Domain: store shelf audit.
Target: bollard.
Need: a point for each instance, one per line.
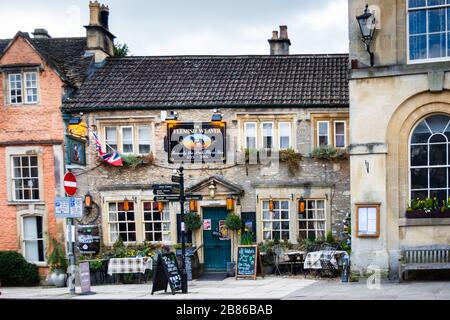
(345, 270)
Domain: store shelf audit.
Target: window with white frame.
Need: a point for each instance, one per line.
(23, 88)
(31, 91)
(250, 135)
(33, 239)
(25, 178)
(111, 138)
(144, 139)
(430, 160)
(339, 134)
(276, 222)
(129, 139)
(121, 222)
(323, 133)
(428, 30)
(268, 135)
(312, 222)
(15, 88)
(284, 129)
(330, 131)
(156, 223)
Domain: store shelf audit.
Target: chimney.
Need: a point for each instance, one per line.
(41, 34)
(100, 40)
(279, 45)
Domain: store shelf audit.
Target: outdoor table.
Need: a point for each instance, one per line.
(312, 259)
(129, 265)
(295, 258)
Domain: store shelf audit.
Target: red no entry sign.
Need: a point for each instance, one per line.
(70, 184)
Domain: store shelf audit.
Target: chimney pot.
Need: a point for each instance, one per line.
(100, 40)
(279, 45)
(283, 32)
(94, 13)
(41, 34)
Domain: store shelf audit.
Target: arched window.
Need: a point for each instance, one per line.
(429, 158)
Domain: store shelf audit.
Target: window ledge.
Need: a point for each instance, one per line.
(18, 203)
(404, 222)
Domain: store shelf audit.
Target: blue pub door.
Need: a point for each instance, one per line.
(216, 252)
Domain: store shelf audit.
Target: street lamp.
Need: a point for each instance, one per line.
(367, 23)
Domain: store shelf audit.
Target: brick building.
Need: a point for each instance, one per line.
(36, 74)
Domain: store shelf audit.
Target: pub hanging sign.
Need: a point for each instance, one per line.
(196, 142)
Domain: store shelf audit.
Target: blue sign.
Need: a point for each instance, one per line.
(68, 207)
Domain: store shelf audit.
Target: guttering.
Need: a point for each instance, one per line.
(67, 109)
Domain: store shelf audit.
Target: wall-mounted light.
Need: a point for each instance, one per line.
(126, 204)
(88, 201)
(193, 205)
(212, 189)
(301, 205)
(172, 116)
(271, 204)
(160, 206)
(367, 24)
(217, 116)
(230, 203)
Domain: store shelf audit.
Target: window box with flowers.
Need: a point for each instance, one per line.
(428, 208)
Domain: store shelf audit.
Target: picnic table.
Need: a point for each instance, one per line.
(312, 259)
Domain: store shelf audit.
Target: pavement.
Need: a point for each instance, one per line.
(271, 287)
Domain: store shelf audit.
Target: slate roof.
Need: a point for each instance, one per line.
(215, 81)
(65, 54)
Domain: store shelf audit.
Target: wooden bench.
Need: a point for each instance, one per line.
(423, 258)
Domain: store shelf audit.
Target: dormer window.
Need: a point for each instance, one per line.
(428, 30)
(23, 88)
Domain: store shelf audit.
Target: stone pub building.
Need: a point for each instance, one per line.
(213, 115)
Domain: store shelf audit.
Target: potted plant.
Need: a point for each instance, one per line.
(267, 257)
(428, 208)
(234, 223)
(192, 222)
(57, 261)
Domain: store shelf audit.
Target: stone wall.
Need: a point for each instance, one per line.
(331, 178)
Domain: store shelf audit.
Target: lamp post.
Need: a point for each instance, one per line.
(184, 283)
(367, 23)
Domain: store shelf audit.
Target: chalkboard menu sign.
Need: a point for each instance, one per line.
(167, 273)
(248, 262)
(188, 261)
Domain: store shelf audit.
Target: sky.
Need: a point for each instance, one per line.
(191, 27)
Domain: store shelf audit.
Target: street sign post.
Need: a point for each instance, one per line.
(197, 197)
(71, 187)
(167, 198)
(176, 179)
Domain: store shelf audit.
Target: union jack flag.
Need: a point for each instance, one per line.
(113, 158)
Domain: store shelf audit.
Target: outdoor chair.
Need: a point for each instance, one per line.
(328, 268)
(280, 260)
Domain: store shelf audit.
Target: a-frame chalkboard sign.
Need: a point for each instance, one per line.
(167, 273)
(248, 262)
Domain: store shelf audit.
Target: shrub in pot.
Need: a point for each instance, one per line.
(57, 261)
